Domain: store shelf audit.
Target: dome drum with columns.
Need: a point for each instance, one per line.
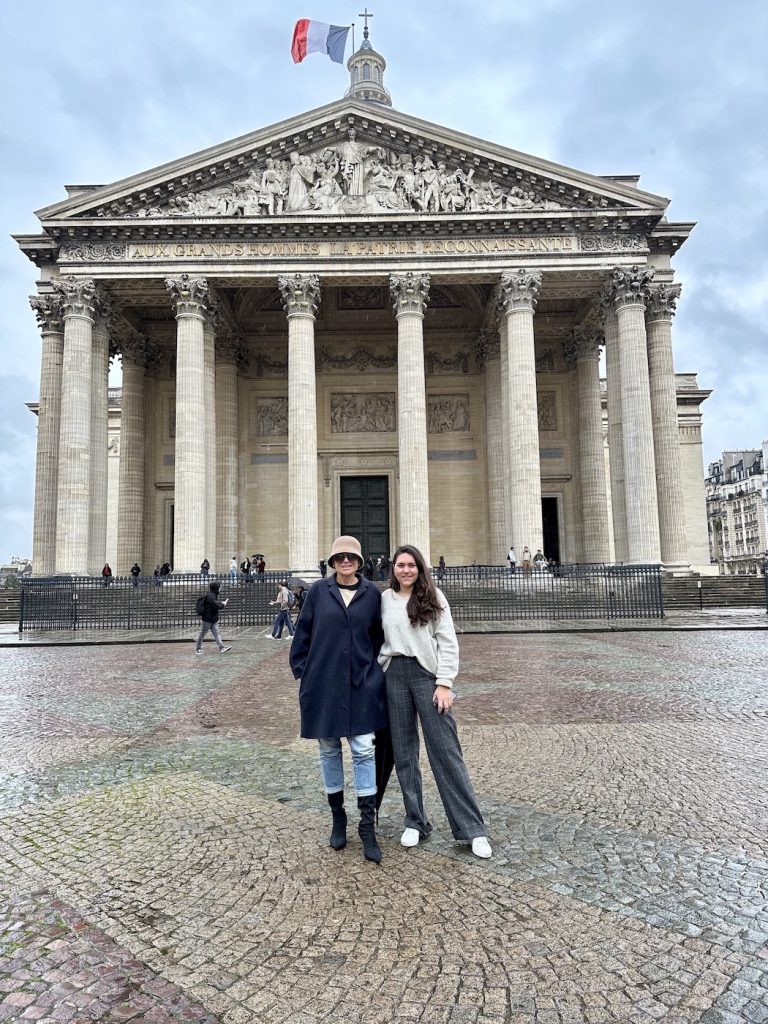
(356, 321)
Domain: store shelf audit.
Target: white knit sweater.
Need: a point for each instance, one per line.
(434, 646)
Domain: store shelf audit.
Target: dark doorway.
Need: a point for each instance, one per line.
(365, 512)
(551, 529)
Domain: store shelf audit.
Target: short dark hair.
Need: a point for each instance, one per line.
(215, 586)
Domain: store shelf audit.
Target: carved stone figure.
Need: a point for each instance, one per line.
(272, 417)
(301, 177)
(447, 413)
(362, 413)
(547, 406)
(352, 177)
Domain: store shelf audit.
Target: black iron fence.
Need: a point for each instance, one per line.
(494, 593)
(146, 602)
(477, 592)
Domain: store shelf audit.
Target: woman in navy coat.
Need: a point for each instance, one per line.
(334, 655)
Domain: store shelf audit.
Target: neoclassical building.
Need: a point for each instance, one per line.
(357, 321)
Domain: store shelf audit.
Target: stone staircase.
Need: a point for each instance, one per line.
(9, 605)
(681, 593)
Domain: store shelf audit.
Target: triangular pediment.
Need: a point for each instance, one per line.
(354, 159)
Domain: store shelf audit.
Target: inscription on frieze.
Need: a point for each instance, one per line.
(363, 413)
(175, 252)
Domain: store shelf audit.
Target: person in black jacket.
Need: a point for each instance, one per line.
(135, 572)
(334, 655)
(210, 619)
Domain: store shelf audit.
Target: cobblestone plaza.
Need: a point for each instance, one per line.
(165, 842)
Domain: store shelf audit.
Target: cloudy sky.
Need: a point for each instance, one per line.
(676, 91)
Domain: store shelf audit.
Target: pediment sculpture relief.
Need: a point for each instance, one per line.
(354, 177)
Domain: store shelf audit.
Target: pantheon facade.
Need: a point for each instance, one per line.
(358, 321)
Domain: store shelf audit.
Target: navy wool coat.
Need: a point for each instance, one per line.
(334, 654)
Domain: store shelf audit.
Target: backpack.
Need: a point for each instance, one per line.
(200, 605)
(291, 599)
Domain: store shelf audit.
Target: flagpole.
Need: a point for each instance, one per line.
(353, 37)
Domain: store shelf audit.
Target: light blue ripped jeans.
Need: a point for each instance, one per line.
(363, 764)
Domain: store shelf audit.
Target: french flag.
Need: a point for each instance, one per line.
(317, 37)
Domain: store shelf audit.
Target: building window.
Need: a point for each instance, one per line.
(366, 72)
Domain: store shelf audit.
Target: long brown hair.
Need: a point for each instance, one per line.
(423, 604)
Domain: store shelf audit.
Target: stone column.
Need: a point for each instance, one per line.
(229, 354)
(615, 431)
(630, 289)
(150, 549)
(97, 525)
(190, 297)
(79, 303)
(48, 311)
(301, 296)
(582, 350)
(409, 295)
(506, 484)
(489, 357)
(211, 324)
(666, 438)
(130, 514)
(519, 293)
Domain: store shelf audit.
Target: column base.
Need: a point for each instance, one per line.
(677, 569)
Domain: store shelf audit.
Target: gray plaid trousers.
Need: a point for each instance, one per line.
(410, 689)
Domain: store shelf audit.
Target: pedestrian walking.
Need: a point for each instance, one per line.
(261, 568)
(135, 572)
(233, 569)
(210, 618)
(420, 658)
(205, 567)
(284, 601)
(106, 573)
(512, 559)
(341, 693)
(245, 569)
(441, 569)
(526, 560)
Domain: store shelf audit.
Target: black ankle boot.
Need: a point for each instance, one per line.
(339, 834)
(367, 828)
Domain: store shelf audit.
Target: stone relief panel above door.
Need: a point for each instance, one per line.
(363, 413)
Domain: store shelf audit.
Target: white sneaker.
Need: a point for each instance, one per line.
(481, 847)
(225, 649)
(410, 837)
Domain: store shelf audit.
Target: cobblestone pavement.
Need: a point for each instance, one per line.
(164, 850)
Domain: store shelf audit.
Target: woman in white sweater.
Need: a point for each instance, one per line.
(420, 658)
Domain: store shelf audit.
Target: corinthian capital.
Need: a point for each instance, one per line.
(584, 343)
(663, 301)
(409, 292)
(132, 345)
(231, 349)
(488, 345)
(107, 311)
(48, 312)
(519, 289)
(79, 296)
(630, 286)
(300, 293)
(189, 295)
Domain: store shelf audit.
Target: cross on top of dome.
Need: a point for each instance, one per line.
(366, 70)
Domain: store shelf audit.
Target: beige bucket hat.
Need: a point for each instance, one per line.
(349, 544)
